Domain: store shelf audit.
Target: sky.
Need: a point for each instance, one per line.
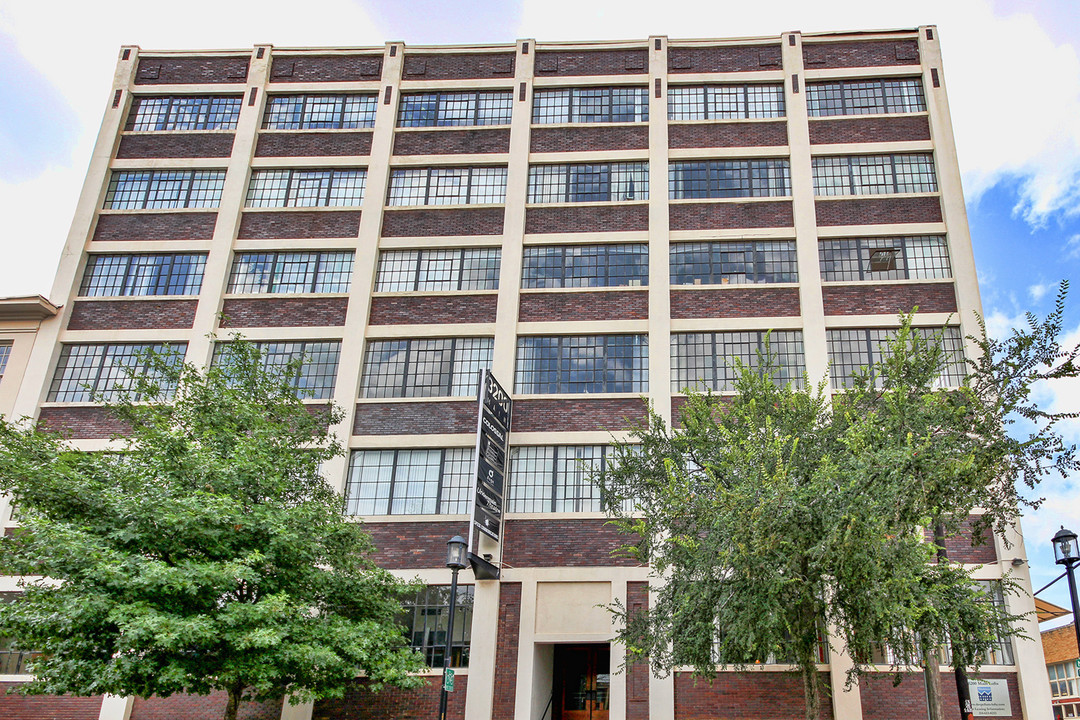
(1011, 68)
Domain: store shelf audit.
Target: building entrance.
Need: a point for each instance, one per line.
(582, 681)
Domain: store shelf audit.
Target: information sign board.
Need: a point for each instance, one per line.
(489, 465)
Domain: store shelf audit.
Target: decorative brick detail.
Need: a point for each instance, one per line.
(589, 542)
(614, 305)
(333, 224)
(415, 418)
(734, 134)
(284, 312)
(47, 707)
(433, 309)
(592, 62)
(961, 547)
(576, 414)
(132, 314)
(728, 58)
(313, 144)
(1059, 644)
(452, 142)
(734, 303)
(750, 696)
(82, 422)
(201, 707)
(176, 145)
(443, 66)
(586, 218)
(878, 211)
(637, 676)
(325, 68)
(191, 70)
(888, 299)
(882, 701)
(155, 226)
(866, 130)
(728, 215)
(462, 222)
(506, 653)
(419, 703)
(589, 139)
(413, 545)
(869, 53)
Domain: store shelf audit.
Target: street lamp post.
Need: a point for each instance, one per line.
(455, 560)
(1067, 553)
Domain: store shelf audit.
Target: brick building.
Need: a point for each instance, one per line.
(595, 222)
(1063, 667)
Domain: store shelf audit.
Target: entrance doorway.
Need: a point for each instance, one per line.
(582, 682)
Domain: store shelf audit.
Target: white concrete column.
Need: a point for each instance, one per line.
(115, 707)
(300, 711)
(529, 701)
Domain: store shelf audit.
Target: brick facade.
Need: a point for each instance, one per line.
(503, 699)
(587, 218)
(415, 418)
(1059, 644)
(46, 707)
(313, 144)
(191, 70)
(420, 703)
(325, 68)
(575, 414)
(462, 222)
(588, 542)
(589, 139)
(637, 675)
(730, 216)
(735, 302)
(433, 309)
(878, 211)
(176, 145)
(728, 134)
(302, 224)
(574, 63)
(155, 226)
(868, 53)
(964, 548)
(882, 700)
(869, 130)
(83, 422)
(730, 58)
(447, 66)
(413, 545)
(201, 707)
(284, 312)
(888, 299)
(570, 306)
(452, 142)
(132, 314)
(748, 696)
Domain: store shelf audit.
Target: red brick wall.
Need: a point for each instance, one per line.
(415, 418)
(413, 545)
(438, 66)
(592, 62)
(506, 652)
(433, 309)
(882, 701)
(170, 145)
(733, 58)
(331, 224)
(858, 130)
(155, 226)
(728, 215)
(313, 144)
(47, 707)
(200, 707)
(571, 415)
(284, 312)
(191, 70)
(870, 53)
(960, 548)
(875, 211)
(735, 134)
(888, 299)
(452, 142)
(325, 68)
(588, 542)
(389, 703)
(87, 422)
(613, 305)
(735, 302)
(430, 223)
(587, 218)
(749, 695)
(637, 677)
(587, 139)
(131, 314)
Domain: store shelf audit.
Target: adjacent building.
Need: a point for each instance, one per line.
(1063, 667)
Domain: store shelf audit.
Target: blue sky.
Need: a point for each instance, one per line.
(1011, 67)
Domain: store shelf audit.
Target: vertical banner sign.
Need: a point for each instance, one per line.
(492, 447)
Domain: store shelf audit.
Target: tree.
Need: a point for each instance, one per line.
(206, 553)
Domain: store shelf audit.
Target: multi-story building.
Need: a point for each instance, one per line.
(1063, 666)
(596, 222)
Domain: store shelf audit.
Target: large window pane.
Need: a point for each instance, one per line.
(874, 174)
(322, 112)
(710, 361)
(447, 186)
(729, 179)
(125, 275)
(425, 621)
(596, 182)
(582, 364)
(85, 372)
(853, 350)
(884, 258)
(591, 105)
(555, 266)
(736, 263)
(449, 109)
(435, 367)
(163, 189)
(725, 102)
(291, 272)
(183, 112)
(306, 188)
(409, 482)
(865, 97)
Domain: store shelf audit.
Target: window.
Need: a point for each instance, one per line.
(85, 372)
(5, 355)
(556, 266)
(125, 275)
(710, 361)
(1000, 651)
(320, 112)
(865, 97)
(448, 186)
(436, 367)
(183, 112)
(887, 258)
(591, 105)
(291, 272)
(425, 619)
(1063, 679)
(850, 350)
(725, 102)
(874, 174)
(409, 482)
(306, 188)
(157, 189)
(13, 661)
(451, 109)
(728, 179)
(598, 182)
(555, 478)
(317, 364)
(438, 270)
(583, 364)
(736, 263)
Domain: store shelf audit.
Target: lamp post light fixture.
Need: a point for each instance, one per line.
(456, 561)
(1067, 553)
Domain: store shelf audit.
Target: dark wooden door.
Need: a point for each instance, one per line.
(582, 682)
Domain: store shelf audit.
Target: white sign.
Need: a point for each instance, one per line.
(990, 698)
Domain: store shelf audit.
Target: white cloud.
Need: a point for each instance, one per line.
(1039, 290)
(1072, 248)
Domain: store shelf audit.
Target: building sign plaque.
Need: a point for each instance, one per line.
(990, 698)
(492, 447)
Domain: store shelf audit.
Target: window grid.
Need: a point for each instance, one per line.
(735, 263)
(306, 188)
(447, 186)
(1062, 679)
(725, 102)
(291, 272)
(867, 97)
(455, 109)
(874, 174)
(320, 112)
(555, 478)
(318, 363)
(582, 364)
(85, 372)
(435, 367)
(425, 620)
(410, 482)
(438, 270)
(557, 266)
(157, 189)
(884, 258)
(183, 112)
(5, 355)
(729, 178)
(597, 182)
(850, 350)
(710, 361)
(131, 275)
(591, 105)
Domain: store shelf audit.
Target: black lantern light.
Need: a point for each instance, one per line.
(455, 553)
(1066, 551)
(456, 549)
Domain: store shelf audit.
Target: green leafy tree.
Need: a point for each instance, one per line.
(206, 553)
